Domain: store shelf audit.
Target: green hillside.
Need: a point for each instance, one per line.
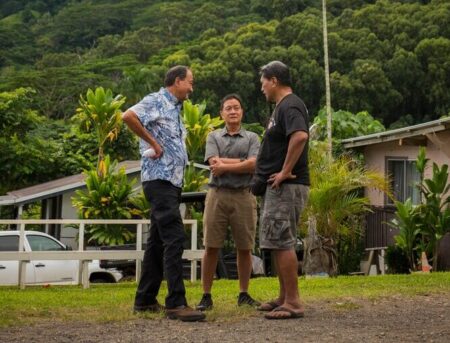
(387, 57)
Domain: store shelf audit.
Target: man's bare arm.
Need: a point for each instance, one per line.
(230, 160)
(239, 167)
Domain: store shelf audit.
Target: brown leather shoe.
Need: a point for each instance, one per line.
(185, 314)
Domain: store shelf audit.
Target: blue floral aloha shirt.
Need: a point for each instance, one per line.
(159, 113)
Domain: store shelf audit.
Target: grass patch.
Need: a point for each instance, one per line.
(113, 302)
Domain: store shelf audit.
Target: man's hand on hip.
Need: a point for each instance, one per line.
(277, 179)
(158, 151)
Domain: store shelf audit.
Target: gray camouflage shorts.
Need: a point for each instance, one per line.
(280, 214)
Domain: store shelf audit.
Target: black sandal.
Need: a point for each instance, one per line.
(291, 313)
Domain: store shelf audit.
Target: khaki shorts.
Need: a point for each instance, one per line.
(280, 216)
(225, 207)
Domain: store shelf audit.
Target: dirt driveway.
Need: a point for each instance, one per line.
(396, 319)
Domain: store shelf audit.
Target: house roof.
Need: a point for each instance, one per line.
(66, 184)
(56, 187)
(398, 134)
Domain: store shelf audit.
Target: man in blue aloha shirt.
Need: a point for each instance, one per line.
(156, 120)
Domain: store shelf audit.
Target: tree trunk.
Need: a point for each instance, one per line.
(320, 255)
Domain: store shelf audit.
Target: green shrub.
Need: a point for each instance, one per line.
(107, 197)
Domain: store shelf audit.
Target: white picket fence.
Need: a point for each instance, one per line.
(85, 256)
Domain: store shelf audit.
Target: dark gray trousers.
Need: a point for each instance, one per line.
(164, 250)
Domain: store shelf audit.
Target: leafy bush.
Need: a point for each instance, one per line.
(334, 198)
(198, 126)
(194, 179)
(408, 224)
(434, 212)
(141, 206)
(27, 145)
(346, 125)
(107, 197)
(335, 204)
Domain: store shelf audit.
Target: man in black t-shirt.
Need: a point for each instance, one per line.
(282, 164)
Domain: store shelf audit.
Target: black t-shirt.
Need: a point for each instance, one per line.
(289, 116)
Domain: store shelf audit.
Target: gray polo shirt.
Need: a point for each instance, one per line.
(242, 145)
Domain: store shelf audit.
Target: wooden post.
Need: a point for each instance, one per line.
(381, 262)
(22, 265)
(85, 273)
(80, 248)
(193, 248)
(138, 248)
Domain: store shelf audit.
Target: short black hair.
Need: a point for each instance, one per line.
(279, 70)
(228, 97)
(174, 72)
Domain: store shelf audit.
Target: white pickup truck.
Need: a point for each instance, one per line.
(47, 271)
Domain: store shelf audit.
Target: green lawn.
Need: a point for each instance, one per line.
(114, 302)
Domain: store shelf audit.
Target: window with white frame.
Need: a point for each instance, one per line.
(404, 178)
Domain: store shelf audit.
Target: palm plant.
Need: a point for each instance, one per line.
(100, 111)
(335, 201)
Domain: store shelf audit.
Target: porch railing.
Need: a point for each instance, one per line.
(378, 232)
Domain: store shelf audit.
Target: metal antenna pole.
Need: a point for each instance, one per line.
(327, 76)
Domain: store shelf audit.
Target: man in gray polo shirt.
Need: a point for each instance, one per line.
(231, 153)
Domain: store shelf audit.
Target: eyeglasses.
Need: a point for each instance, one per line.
(229, 108)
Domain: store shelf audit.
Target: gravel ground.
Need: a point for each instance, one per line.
(395, 319)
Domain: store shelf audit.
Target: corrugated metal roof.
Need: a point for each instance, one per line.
(405, 132)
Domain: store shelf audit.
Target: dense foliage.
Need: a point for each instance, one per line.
(388, 58)
(35, 149)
